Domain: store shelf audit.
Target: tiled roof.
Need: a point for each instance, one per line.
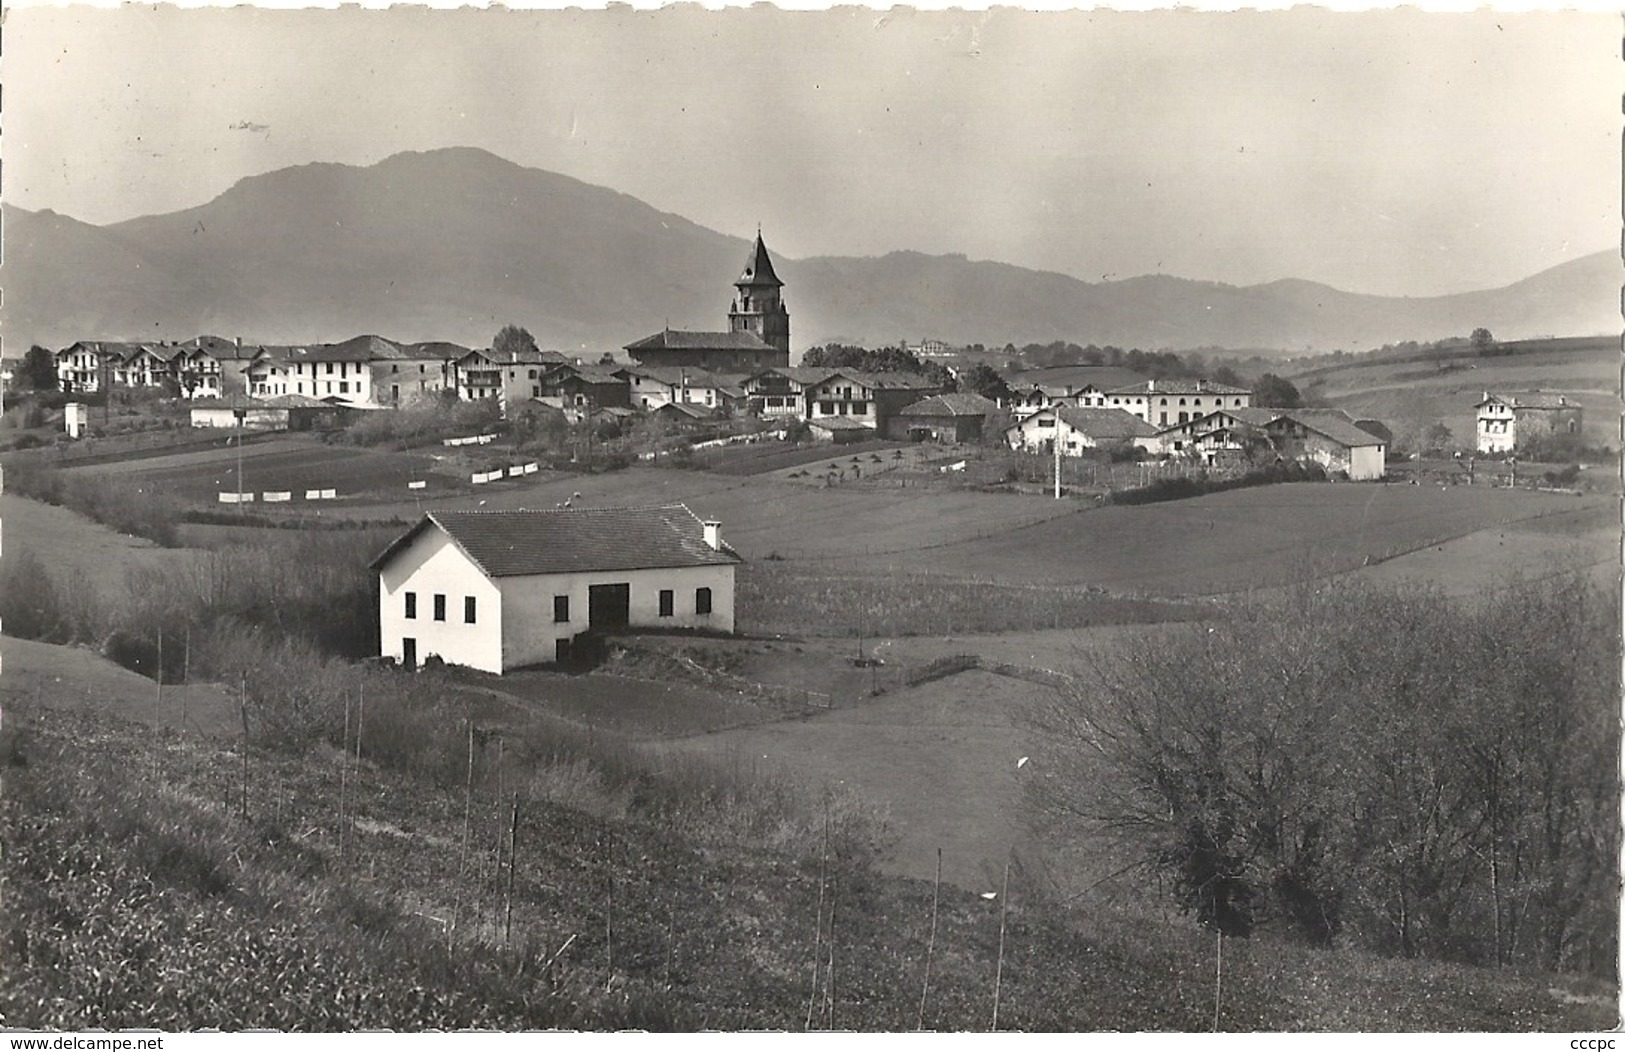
(369, 347)
(1105, 423)
(1257, 416)
(1530, 400)
(885, 381)
(801, 374)
(838, 423)
(677, 340)
(688, 409)
(237, 400)
(962, 403)
(573, 540)
(1178, 387)
(520, 356)
(357, 350)
(677, 376)
(434, 349)
(1076, 377)
(759, 267)
(1334, 424)
(591, 374)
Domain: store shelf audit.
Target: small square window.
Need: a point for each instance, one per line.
(411, 605)
(561, 609)
(439, 608)
(667, 602)
(468, 610)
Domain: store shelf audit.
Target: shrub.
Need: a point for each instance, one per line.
(1377, 764)
(30, 603)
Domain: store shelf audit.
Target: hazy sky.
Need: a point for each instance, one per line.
(1385, 152)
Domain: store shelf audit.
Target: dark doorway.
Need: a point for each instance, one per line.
(409, 653)
(609, 605)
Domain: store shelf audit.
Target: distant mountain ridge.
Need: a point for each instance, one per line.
(452, 244)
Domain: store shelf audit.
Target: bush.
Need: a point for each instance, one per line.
(1422, 775)
(30, 604)
(1181, 488)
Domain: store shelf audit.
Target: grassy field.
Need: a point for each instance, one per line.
(1233, 541)
(291, 464)
(1412, 395)
(190, 898)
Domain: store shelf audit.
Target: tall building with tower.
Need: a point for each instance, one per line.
(758, 335)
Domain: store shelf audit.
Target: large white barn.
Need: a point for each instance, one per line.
(499, 590)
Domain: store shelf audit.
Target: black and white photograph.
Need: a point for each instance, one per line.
(845, 520)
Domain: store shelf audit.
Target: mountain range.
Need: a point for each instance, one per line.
(454, 243)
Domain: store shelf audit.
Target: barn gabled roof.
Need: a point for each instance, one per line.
(572, 540)
(960, 403)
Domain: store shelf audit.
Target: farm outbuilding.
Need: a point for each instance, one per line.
(279, 413)
(954, 417)
(499, 590)
(1331, 439)
(839, 430)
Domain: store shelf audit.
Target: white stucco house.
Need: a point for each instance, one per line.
(499, 590)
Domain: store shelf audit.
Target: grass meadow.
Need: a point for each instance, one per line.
(669, 867)
(233, 886)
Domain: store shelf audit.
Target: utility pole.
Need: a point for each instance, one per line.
(1057, 456)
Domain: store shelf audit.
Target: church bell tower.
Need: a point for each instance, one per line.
(758, 305)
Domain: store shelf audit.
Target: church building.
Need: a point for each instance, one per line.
(758, 335)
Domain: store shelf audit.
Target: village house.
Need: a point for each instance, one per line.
(1506, 422)
(957, 417)
(500, 590)
(510, 377)
(147, 365)
(81, 366)
(583, 388)
(1216, 433)
(212, 366)
(869, 399)
(1165, 403)
(1077, 429)
(340, 371)
(1330, 438)
(782, 391)
(403, 371)
(1077, 385)
(758, 335)
(653, 387)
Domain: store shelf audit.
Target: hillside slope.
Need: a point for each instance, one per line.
(453, 243)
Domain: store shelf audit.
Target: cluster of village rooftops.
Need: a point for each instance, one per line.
(690, 378)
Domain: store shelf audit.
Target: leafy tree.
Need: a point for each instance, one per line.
(1426, 776)
(38, 370)
(1226, 375)
(1276, 392)
(1483, 341)
(511, 338)
(1438, 437)
(984, 380)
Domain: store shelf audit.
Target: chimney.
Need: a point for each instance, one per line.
(239, 341)
(713, 535)
(1151, 385)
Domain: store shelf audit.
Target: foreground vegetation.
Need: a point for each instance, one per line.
(1384, 768)
(235, 886)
